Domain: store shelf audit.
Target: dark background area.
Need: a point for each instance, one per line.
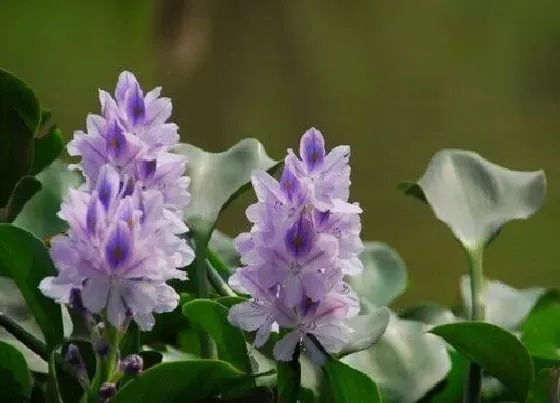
(395, 80)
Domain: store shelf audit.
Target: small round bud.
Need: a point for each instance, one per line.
(102, 348)
(73, 355)
(107, 391)
(132, 364)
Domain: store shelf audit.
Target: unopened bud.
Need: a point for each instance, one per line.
(132, 364)
(102, 348)
(73, 355)
(107, 391)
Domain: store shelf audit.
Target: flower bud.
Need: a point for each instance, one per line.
(107, 391)
(102, 348)
(132, 364)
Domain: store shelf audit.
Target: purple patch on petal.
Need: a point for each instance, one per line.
(127, 187)
(91, 216)
(116, 140)
(135, 107)
(312, 148)
(118, 247)
(308, 306)
(300, 237)
(147, 169)
(107, 185)
(290, 184)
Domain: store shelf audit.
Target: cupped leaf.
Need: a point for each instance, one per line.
(48, 145)
(211, 317)
(406, 363)
(511, 363)
(430, 314)
(367, 329)
(39, 215)
(218, 178)
(184, 381)
(14, 376)
(348, 385)
(384, 276)
(475, 197)
(504, 306)
(24, 190)
(25, 260)
(20, 115)
(412, 189)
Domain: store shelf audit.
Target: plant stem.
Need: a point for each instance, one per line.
(217, 263)
(289, 379)
(474, 377)
(200, 280)
(105, 367)
(218, 282)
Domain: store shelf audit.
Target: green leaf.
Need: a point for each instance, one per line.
(19, 119)
(211, 317)
(547, 380)
(383, 278)
(476, 198)
(504, 306)
(348, 385)
(39, 215)
(14, 375)
(410, 188)
(218, 178)
(541, 330)
(451, 389)
(25, 260)
(430, 314)
(183, 381)
(24, 190)
(367, 328)
(406, 363)
(47, 146)
(511, 363)
(222, 246)
(228, 302)
(289, 380)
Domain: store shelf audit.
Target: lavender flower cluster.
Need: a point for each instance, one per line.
(305, 238)
(123, 240)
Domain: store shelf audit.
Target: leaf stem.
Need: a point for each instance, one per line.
(474, 377)
(217, 263)
(218, 282)
(201, 286)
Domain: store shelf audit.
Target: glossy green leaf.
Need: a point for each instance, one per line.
(14, 376)
(540, 332)
(475, 197)
(547, 380)
(48, 145)
(504, 306)
(184, 381)
(412, 189)
(228, 302)
(450, 390)
(348, 385)
(39, 215)
(211, 317)
(406, 363)
(24, 190)
(511, 364)
(19, 119)
(25, 260)
(384, 276)
(218, 178)
(289, 380)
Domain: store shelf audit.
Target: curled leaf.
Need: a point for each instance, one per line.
(475, 197)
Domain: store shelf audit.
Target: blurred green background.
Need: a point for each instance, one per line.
(395, 80)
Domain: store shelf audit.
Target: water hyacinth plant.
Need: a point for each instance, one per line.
(123, 291)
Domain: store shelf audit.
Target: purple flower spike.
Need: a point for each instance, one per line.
(305, 238)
